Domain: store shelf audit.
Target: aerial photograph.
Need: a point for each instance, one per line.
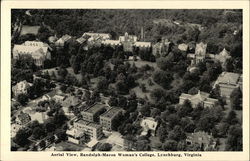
(126, 80)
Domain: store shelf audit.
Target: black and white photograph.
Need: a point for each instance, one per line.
(126, 80)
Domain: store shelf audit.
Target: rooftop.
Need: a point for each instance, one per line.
(229, 78)
(90, 124)
(95, 108)
(112, 112)
(29, 30)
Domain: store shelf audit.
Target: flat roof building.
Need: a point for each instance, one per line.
(92, 113)
(107, 118)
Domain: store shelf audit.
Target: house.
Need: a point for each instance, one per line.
(64, 39)
(14, 129)
(200, 52)
(203, 139)
(93, 112)
(21, 88)
(107, 118)
(228, 81)
(59, 98)
(199, 98)
(183, 47)
(46, 97)
(23, 118)
(39, 51)
(222, 57)
(68, 102)
(149, 123)
(81, 128)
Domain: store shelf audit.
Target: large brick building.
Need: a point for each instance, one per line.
(92, 113)
(81, 128)
(39, 51)
(107, 118)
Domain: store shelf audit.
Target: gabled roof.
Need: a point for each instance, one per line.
(183, 47)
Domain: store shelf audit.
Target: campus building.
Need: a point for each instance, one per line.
(199, 98)
(81, 128)
(39, 51)
(228, 81)
(92, 113)
(107, 118)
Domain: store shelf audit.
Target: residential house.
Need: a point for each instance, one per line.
(107, 119)
(199, 98)
(200, 52)
(82, 128)
(23, 118)
(222, 57)
(59, 98)
(37, 50)
(183, 47)
(21, 88)
(203, 139)
(64, 39)
(228, 81)
(149, 123)
(68, 102)
(92, 113)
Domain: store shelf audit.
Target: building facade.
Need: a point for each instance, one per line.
(107, 118)
(199, 98)
(21, 88)
(228, 81)
(92, 113)
(39, 51)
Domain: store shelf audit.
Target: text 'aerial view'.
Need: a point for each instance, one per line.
(126, 80)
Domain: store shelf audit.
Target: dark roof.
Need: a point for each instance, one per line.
(112, 112)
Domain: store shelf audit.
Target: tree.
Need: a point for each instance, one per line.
(155, 112)
(104, 147)
(143, 145)
(170, 145)
(234, 138)
(162, 133)
(185, 109)
(145, 110)
(38, 133)
(177, 134)
(164, 63)
(62, 72)
(231, 118)
(102, 84)
(22, 99)
(236, 99)
(50, 127)
(163, 78)
(113, 101)
(21, 137)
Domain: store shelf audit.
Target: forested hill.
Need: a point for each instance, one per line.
(179, 26)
